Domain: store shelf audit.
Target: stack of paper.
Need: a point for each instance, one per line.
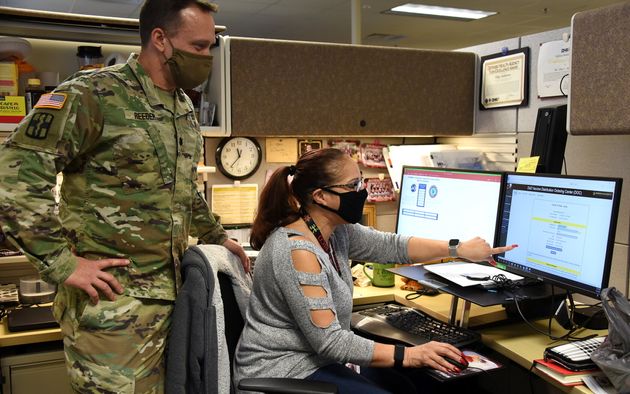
(469, 274)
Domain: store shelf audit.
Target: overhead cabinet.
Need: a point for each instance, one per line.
(285, 88)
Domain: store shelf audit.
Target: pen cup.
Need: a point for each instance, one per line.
(380, 276)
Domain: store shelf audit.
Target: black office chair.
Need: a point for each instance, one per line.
(233, 326)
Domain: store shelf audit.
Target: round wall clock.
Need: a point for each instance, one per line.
(238, 157)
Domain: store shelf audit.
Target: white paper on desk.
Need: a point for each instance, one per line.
(456, 272)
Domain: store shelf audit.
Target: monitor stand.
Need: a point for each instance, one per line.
(473, 294)
(591, 317)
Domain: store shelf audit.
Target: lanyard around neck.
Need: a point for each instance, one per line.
(310, 223)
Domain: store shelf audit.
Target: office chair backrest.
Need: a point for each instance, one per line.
(233, 321)
(234, 326)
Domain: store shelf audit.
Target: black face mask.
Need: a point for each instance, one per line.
(350, 205)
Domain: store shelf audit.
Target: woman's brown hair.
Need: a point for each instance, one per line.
(280, 201)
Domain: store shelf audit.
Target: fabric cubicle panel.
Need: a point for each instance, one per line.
(600, 79)
(299, 88)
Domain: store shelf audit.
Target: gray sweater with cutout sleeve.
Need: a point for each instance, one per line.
(279, 338)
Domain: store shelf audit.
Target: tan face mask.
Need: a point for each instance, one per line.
(189, 70)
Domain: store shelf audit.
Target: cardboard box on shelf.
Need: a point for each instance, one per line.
(12, 109)
(8, 79)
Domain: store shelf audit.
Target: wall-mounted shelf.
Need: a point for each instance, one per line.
(70, 27)
(204, 171)
(206, 131)
(213, 131)
(8, 126)
(13, 259)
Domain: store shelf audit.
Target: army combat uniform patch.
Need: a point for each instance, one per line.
(52, 100)
(43, 127)
(39, 125)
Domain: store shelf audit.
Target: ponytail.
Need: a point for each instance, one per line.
(280, 201)
(276, 207)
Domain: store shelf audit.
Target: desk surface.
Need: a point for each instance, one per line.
(8, 338)
(516, 341)
(522, 344)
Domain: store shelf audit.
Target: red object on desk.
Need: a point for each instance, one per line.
(561, 374)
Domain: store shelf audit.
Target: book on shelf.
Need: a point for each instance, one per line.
(563, 375)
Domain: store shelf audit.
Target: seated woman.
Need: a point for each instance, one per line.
(298, 320)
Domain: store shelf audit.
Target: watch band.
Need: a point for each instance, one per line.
(452, 247)
(399, 355)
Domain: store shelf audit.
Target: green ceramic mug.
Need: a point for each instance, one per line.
(380, 276)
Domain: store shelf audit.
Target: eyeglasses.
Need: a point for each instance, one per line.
(356, 185)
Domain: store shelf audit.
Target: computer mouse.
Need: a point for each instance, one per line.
(459, 364)
(427, 291)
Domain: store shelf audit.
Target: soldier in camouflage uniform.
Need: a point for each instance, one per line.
(127, 142)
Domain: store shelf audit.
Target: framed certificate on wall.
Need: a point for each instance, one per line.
(505, 79)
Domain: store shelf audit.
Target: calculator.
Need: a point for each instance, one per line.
(575, 356)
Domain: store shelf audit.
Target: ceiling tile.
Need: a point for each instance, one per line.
(329, 20)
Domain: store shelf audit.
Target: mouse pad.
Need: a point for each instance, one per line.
(33, 318)
(477, 363)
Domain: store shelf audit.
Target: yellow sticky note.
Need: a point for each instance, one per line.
(527, 164)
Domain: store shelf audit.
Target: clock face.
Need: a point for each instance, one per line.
(238, 157)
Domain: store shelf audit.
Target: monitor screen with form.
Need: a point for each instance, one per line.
(439, 203)
(564, 226)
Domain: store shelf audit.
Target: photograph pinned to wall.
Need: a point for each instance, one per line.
(505, 79)
(371, 155)
(351, 147)
(379, 190)
(308, 145)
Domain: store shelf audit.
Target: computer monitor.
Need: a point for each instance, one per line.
(564, 226)
(441, 203)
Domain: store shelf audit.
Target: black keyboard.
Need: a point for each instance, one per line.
(411, 326)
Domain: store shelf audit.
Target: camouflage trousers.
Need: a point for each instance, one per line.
(114, 346)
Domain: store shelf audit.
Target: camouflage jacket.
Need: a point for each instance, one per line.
(122, 194)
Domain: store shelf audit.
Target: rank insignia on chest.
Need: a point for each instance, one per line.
(52, 100)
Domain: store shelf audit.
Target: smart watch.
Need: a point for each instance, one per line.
(452, 247)
(399, 355)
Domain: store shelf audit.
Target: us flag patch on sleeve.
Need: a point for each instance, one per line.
(51, 100)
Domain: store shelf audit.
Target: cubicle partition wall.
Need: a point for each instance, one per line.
(288, 88)
(599, 71)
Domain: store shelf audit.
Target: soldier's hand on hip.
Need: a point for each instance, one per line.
(90, 277)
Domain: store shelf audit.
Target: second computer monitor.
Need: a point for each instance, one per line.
(442, 204)
(564, 226)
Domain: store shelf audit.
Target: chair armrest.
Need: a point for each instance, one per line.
(287, 385)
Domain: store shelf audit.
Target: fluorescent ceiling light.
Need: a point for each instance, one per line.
(444, 12)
